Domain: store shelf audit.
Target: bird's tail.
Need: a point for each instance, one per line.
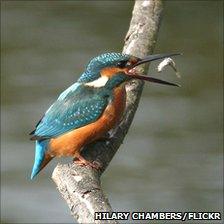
(41, 157)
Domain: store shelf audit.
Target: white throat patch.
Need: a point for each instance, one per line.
(100, 82)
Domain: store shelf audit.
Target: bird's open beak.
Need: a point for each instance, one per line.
(149, 58)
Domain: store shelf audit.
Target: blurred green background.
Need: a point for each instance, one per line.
(172, 157)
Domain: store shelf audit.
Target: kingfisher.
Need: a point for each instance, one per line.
(87, 110)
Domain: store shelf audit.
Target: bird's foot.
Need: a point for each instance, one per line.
(79, 160)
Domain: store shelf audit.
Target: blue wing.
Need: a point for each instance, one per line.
(73, 109)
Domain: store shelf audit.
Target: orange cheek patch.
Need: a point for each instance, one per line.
(110, 71)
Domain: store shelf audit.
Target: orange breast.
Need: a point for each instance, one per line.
(71, 143)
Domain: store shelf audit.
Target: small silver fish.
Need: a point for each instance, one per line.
(166, 62)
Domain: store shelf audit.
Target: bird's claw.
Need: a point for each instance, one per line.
(83, 162)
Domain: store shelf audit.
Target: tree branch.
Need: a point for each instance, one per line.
(80, 186)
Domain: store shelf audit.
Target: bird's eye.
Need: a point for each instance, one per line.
(123, 64)
(128, 63)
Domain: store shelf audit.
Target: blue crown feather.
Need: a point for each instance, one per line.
(93, 68)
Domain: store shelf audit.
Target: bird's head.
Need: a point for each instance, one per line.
(112, 69)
